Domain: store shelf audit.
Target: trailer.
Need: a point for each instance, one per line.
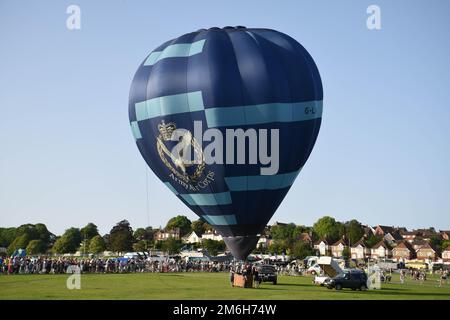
(330, 268)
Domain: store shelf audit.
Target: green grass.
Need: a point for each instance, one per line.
(199, 286)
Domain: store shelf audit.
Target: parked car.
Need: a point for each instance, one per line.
(353, 279)
(267, 273)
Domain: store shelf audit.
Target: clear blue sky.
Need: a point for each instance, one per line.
(68, 157)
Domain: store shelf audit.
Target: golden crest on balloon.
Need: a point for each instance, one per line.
(178, 159)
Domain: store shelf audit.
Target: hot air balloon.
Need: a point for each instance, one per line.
(217, 80)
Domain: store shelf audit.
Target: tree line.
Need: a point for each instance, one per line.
(37, 239)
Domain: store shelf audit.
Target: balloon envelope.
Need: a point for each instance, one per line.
(230, 78)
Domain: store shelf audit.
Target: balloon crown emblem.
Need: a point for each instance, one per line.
(166, 130)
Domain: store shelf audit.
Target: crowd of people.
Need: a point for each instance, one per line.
(60, 265)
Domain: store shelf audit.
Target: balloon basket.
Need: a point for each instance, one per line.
(242, 281)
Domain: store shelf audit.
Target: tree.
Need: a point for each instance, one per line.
(212, 246)
(7, 236)
(144, 234)
(43, 234)
(436, 242)
(346, 253)
(181, 222)
(14, 238)
(354, 231)
(21, 242)
(199, 226)
(140, 246)
(172, 245)
(445, 244)
(278, 247)
(89, 231)
(139, 234)
(301, 250)
(373, 240)
(328, 227)
(97, 244)
(121, 237)
(36, 247)
(68, 242)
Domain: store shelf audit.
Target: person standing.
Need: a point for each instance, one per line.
(402, 276)
(231, 275)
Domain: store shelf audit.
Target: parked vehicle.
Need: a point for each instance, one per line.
(267, 273)
(354, 279)
(329, 268)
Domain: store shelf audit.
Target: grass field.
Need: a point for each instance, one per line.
(200, 286)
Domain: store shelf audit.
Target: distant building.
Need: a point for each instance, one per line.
(426, 252)
(393, 237)
(445, 234)
(162, 235)
(403, 251)
(281, 224)
(409, 235)
(382, 230)
(212, 235)
(446, 255)
(264, 242)
(192, 238)
(418, 243)
(306, 237)
(359, 250)
(381, 250)
(368, 231)
(338, 247)
(322, 247)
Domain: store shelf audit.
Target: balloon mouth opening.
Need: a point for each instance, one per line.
(241, 246)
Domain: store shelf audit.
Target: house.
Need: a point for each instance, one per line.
(418, 242)
(162, 235)
(446, 255)
(359, 250)
(212, 235)
(264, 241)
(322, 247)
(338, 247)
(409, 235)
(392, 237)
(426, 252)
(281, 224)
(306, 237)
(427, 234)
(381, 250)
(445, 234)
(382, 230)
(192, 238)
(368, 231)
(403, 251)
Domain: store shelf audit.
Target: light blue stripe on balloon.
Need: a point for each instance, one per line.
(175, 51)
(167, 105)
(171, 187)
(263, 113)
(253, 183)
(152, 58)
(221, 220)
(135, 130)
(207, 199)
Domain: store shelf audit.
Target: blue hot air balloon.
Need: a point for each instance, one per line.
(220, 80)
